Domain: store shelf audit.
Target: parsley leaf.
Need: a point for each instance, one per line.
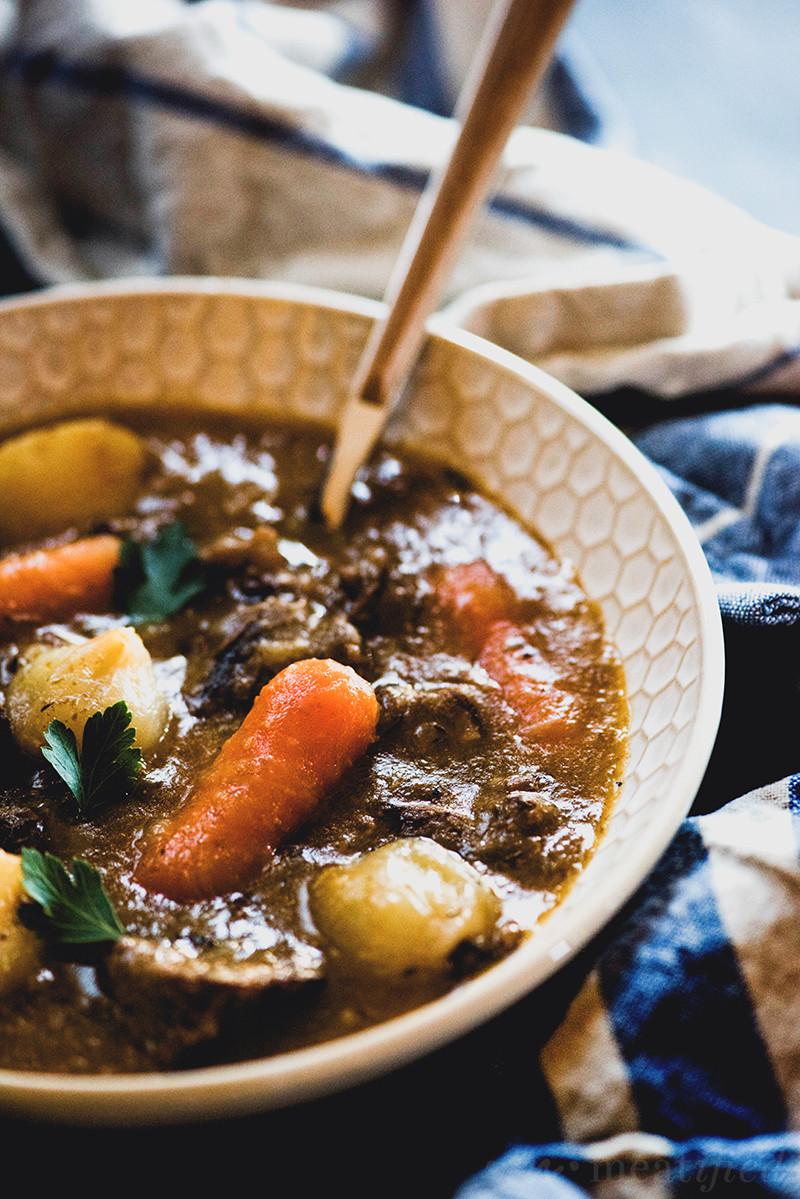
(62, 754)
(156, 578)
(107, 762)
(76, 909)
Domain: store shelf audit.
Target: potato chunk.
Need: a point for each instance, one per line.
(68, 475)
(19, 946)
(71, 682)
(404, 907)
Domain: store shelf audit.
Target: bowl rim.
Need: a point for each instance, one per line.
(289, 1078)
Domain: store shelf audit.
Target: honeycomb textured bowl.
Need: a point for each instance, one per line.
(254, 348)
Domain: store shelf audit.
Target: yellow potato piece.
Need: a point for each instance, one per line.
(69, 475)
(403, 907)
(19, 946)
(71, 682)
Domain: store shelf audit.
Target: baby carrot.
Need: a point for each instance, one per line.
(546, 711)
(483, 609)
(52, 584)
(306, 728)
(473, 596)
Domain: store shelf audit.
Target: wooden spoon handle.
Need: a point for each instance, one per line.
(514, 53)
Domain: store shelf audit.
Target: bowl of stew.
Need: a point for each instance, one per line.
(284, 807)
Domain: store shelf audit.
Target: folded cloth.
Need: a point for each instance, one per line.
(761, 1167)
(234, 137)
(737, 476)
(216, 138)
(687, 1022)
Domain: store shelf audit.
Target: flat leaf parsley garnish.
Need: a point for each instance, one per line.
(107, 763)
(156, 578)
(75, 907)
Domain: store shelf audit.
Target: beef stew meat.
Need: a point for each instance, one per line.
(394, 863)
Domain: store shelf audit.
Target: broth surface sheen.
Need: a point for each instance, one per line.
(251, 973)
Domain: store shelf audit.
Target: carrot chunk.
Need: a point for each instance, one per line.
(546, 711)
(473, 596)
(483, 608)
(52, 584)
(306, 728)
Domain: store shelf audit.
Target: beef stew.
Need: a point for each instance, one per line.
(460, 818)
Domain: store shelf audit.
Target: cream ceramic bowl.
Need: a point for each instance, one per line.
(248, 347)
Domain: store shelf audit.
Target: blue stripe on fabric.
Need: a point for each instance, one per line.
(680, 1010)
(757, 605)
(530, 1172)
(114, 81)
(578, 116)
(357, 53)
(763, 1167)
(574, 230)
(15, 277)
(746, 380)
(423, 79)
(715, 452)
(794, 806)
(760, 373)
(752, 378)
(766, 1167)
(708, 463)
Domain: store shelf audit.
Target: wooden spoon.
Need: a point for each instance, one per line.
(515, 51)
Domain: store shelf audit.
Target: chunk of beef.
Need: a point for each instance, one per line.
(363, 580)
(531, 830)
(435, 668)
(174, 999)
(280, 630)
(257, 551)
(433, 713)
(443, 701)
(20, 824)
(447, 738)
(427, 815)
(531, 808)
(19, 827)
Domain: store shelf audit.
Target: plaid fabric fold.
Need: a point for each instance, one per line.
(677, 1065)
(220, 138)
(761, 1168)
(736, 474)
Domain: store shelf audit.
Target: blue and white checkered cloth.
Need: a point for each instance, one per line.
(678, 1062)
(737, 476)
(236, 137)
(765, 1167)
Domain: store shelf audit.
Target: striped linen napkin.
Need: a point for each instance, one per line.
(234, 137)
(218, 138)
(737, 476)
(677, 1066)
